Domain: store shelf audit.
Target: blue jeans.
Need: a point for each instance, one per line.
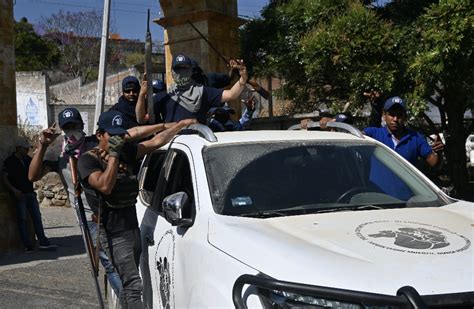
(124, 249)
(112, 276)
(29, 203)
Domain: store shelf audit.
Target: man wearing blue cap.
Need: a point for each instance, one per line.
(407, 143)
(111, 186)
(325, 118)
(187, 99)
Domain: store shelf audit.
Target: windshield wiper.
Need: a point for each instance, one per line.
(264, 214)
(353, 208)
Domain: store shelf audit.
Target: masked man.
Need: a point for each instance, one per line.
(107, 174)
(53, 155)
(187, 99)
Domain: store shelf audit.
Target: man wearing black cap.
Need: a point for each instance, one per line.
(219, 118)
(52, 155)
(187, 99)
(131, 93)
(107, 174)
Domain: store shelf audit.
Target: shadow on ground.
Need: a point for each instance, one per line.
(67, 246)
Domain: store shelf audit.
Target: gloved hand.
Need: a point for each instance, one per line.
(115, 145)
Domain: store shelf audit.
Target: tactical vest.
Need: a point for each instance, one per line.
(124, 193)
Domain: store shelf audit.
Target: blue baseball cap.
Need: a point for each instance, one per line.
(344, 118)
(182, 61)
(69, 115)
(158, 86)
(130, 82)
(112, 122)
(391, 102)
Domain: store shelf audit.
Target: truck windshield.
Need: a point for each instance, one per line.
(290, 178)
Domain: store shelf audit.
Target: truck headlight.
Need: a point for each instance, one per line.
(283, 299)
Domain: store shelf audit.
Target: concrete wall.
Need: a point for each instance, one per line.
(39, 103)
(83, 97)
(9, 237)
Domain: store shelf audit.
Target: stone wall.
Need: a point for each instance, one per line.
(51, 191)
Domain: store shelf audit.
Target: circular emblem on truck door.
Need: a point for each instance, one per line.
(412, 237)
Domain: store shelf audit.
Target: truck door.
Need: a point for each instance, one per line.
(164, 240)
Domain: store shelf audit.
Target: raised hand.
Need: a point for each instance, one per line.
(47, 136)
(115, 146)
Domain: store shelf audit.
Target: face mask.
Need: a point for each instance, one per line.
(74, 136)
(183, 78)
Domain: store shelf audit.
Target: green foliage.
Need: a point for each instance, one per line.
(333, 51)
(353, 52)
(33, 53)
(444, 61)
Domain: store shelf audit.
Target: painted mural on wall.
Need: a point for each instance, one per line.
(31, 111)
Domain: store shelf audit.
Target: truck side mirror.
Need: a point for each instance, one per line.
(173, 206)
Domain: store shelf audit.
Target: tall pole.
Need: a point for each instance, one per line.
(99, 103)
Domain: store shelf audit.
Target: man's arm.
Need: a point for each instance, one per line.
(36, 170)
(162, 138)
(433, 159)
(140, 108)
(234, 92)
(104, 181)
(145, 131)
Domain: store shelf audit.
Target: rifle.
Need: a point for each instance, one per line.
(86, 235)
(260, 90)
(148, 71)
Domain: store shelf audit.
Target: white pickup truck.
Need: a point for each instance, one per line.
(296, 219)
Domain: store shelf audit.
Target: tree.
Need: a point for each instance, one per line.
(444, 64)
(332, 51)
(33, 53)
(78, 36)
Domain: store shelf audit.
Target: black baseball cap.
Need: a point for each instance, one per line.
(130, 82)
(112, 122)
(69, 115)
(182, 61)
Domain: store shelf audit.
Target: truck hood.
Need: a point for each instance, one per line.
(375, 251)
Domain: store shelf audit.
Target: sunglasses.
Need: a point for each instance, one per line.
(130, 91)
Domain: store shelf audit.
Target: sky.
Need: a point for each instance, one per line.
(127, 17)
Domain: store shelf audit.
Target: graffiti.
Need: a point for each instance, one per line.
(164, 263)
(165, 280)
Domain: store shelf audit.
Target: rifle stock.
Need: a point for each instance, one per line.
(261, 91)
(86, 235)
(148, 71)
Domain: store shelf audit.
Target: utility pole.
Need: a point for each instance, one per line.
(100, 97)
